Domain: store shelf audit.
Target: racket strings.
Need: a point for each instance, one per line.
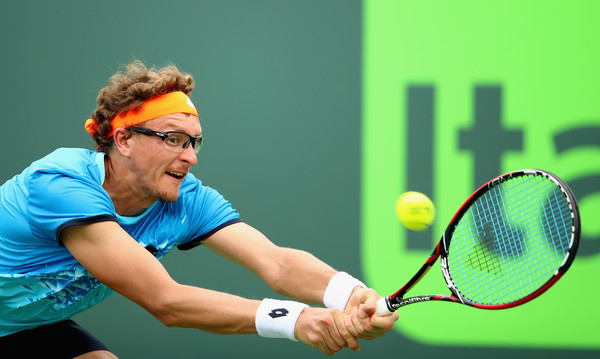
(511, 241)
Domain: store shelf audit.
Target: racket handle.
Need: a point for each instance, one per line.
(382, 308)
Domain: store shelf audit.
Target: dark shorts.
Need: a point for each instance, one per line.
(64, 339)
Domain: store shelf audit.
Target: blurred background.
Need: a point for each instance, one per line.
(317, 115)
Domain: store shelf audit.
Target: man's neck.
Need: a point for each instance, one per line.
(123, 189)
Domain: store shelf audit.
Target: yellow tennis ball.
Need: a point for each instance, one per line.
(415, 210)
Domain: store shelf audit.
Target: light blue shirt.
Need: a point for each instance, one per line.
(40, 281)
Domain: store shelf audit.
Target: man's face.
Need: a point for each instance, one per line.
(159, 168)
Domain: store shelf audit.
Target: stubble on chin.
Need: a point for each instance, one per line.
(167, 196)
(162, 195)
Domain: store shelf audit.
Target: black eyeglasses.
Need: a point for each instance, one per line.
(174, 140)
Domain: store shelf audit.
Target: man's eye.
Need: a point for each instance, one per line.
(173, 140)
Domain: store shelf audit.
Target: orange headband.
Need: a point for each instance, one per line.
(172, 102)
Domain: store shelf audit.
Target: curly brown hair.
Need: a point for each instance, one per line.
(129, 89)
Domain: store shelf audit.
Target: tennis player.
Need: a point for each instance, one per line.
(78, 225)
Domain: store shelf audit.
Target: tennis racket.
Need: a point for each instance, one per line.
(508, 243)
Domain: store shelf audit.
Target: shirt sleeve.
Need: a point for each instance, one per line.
(57, 201)
(210, 212)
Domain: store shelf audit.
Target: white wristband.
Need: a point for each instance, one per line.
(277, 318)
(339, 289)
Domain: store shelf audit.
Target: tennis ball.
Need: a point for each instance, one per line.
(415, 210)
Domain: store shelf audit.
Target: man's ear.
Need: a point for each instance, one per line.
(122, 139)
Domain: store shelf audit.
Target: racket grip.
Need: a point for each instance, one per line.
(382, 308)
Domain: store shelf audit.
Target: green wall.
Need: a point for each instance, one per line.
(280, 93)
(456, 93)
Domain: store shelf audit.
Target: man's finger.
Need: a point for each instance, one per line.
(348, 338)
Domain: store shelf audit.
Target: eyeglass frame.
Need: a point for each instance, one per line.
(195, 141)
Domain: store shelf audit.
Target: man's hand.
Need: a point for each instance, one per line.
(325, 329)
(361, 320)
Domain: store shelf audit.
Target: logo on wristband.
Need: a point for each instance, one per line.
(278, 313)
